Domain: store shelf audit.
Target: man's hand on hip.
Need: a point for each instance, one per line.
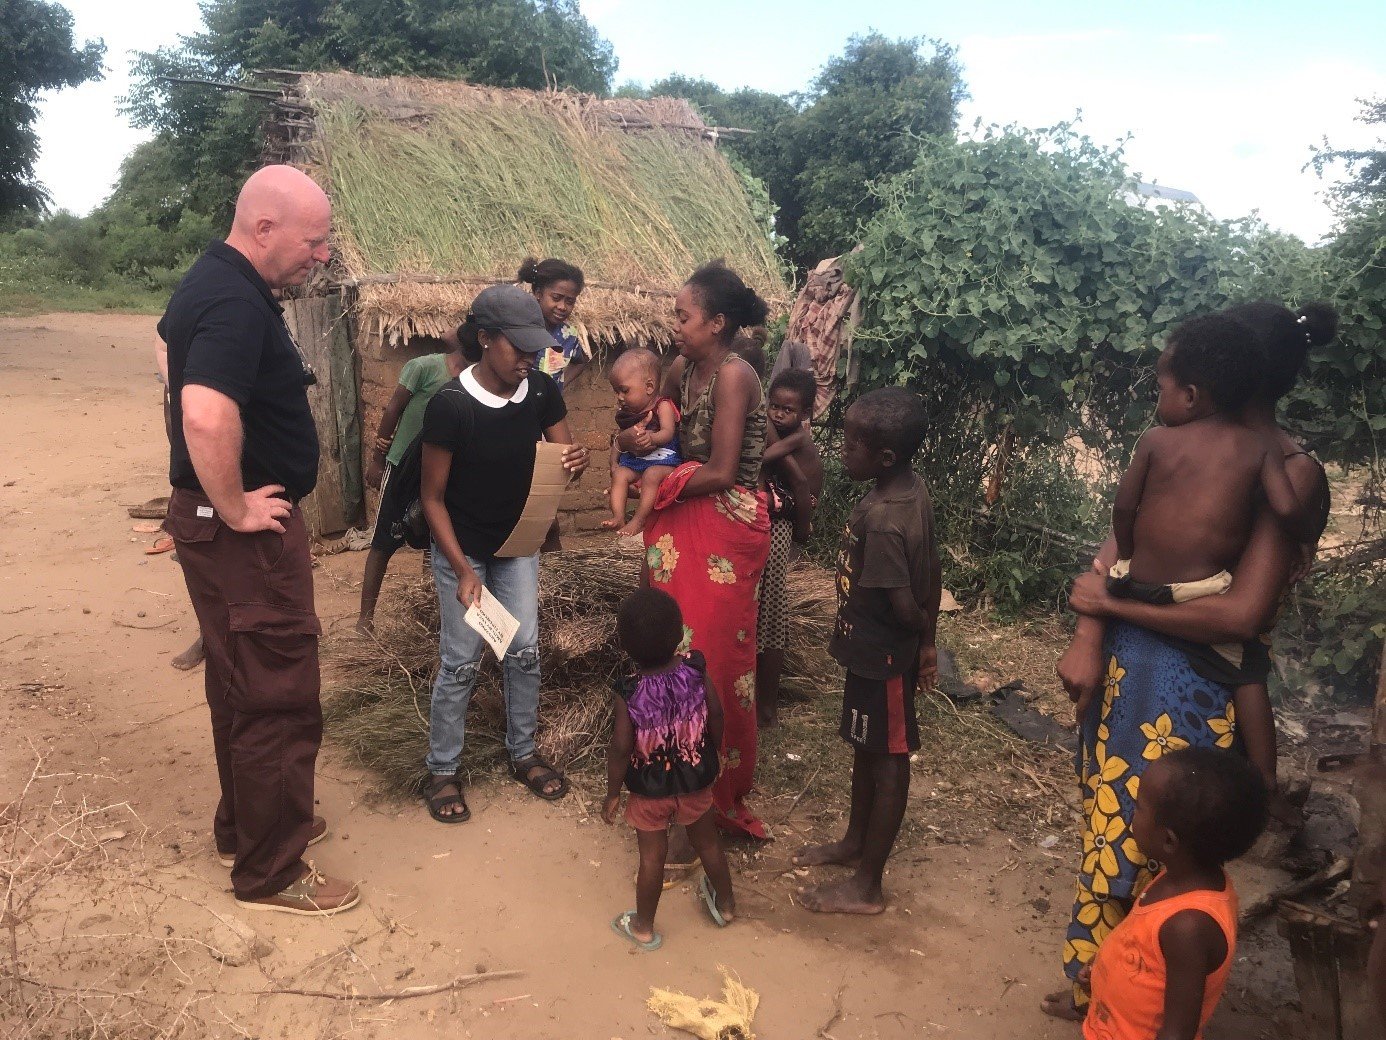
(263, 511)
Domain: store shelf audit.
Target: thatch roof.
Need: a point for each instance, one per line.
(440, 188)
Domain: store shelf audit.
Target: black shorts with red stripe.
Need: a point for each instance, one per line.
(878, 714)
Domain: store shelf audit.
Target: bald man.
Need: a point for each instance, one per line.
(244, 451)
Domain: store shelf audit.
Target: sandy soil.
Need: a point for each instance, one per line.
(133, 903)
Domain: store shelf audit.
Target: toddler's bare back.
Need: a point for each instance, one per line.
(1198, 501)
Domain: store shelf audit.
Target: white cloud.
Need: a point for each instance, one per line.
(1236, 135)
(83, 136)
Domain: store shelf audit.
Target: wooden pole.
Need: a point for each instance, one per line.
(1369, 867)
(447, 279)
(1379, 713)
(241, 88)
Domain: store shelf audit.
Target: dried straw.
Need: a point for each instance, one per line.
(379, 714)
(447, 179)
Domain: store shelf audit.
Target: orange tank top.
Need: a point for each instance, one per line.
(1128, 975)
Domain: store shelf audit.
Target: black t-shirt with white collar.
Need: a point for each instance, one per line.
(492, 440)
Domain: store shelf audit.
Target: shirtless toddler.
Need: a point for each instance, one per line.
(1184, 508)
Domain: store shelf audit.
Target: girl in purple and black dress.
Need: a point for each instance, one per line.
(664, 752)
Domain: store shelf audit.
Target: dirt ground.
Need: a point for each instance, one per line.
(123, 916)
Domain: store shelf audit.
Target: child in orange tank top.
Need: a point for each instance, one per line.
(1162, 971)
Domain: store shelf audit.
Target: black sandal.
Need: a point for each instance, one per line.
(437, 802)
(520, 771)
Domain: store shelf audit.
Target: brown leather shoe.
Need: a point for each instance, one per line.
(312, 895)
(228, 859)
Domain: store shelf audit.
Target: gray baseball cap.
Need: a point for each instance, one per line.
(510, 310)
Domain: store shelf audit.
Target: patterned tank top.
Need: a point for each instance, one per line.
(695, 428)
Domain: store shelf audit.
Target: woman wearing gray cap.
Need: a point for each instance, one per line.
(479, 436)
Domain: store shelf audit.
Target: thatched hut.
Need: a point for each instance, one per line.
(441, 188)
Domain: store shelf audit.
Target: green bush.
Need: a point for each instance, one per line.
(1330, 633)
(1009, 558)
(1020, 285)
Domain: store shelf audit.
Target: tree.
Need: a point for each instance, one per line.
(768, 117)
(148, 230)
(37, 52)
(213, 137)
(1366, 166)
(820, 153)
(862, 123)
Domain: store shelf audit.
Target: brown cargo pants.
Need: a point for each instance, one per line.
(253, 594)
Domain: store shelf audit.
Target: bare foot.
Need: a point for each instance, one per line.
(838, 853)
(643, 935)
(631, 530)
(842, 897)
(612, 524)
(365, 626)
(767, 719)
(1059, 1004)
(189, 658)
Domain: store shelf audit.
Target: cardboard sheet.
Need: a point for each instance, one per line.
(545, 492)
(493, 622)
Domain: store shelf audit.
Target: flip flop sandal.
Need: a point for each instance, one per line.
(520, 772)
(161, 545)
(154, 509)
(436, 802)
(620, 924)
(147, 528)
(709, 900)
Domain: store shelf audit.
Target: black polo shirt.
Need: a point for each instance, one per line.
(226, 331)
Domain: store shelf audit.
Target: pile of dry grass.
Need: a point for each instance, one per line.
(440, 186)
(379, 714)
(973, 775)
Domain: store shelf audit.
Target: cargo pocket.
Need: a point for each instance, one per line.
(192, 529)
(274, 658)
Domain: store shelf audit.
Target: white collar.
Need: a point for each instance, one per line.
(490, 400)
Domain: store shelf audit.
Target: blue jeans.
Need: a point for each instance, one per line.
(515, 582)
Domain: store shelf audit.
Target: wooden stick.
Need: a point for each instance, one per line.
(255, 91)
(627, 123)
(461, 982)
(1379, 712)
(1335, 871)
(154, 721)
(446, 279)
(837, 1015)
(795, 804)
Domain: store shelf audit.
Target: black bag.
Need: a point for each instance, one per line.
(406, 481)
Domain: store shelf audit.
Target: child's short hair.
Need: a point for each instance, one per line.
(1218, 355)
(1215, 803)
(646, 362)
(649, 627)
(798, 381)
(892, 417)
(750, 344)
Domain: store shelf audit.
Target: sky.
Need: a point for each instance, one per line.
(1224, 99)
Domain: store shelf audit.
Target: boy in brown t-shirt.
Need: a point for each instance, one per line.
(888, 587)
